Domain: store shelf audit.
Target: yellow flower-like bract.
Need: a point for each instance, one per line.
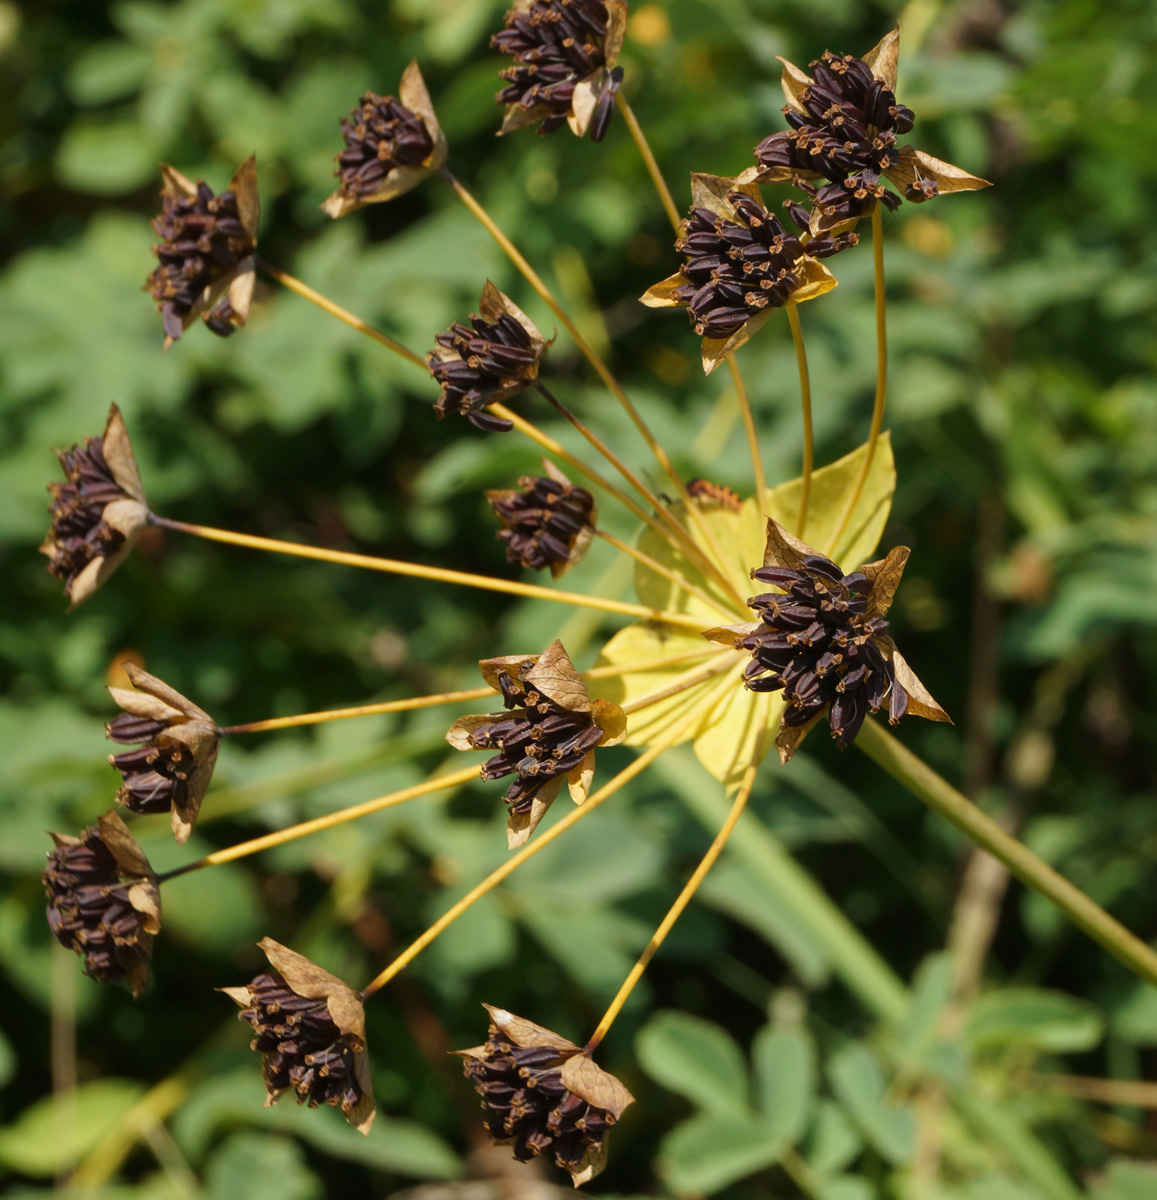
(725, 737)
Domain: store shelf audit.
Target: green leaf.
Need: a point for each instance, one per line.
(734, 889)
(1135, 1018)
(235, 1099)
(481, 938)
(105, 157)
(834, 1141)
(931, 991)
(711, 1150)
(1126, 1180)
(248, 1164)
(1045, 1020)
(785, 1080)
(51, 1136)
(861, 1087)
(850, 1187)
(107, 71)
(697, 1059)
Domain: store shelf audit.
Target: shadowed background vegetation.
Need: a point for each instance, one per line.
(1024, 416)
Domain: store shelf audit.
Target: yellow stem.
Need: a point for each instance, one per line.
(361, 710)
(440, 574)
(881, 374)
(556, 448)
(682, 543)
(683, 684)
(603, 449)
(681, 901)
(653, 565)
(341, 817)
(335, 310)
(805, 397)
(528, 851)
(668, 202)
(636, 130)
(532, 277)
(749, 427)
(479, 693)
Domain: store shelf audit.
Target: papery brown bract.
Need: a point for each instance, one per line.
(822, 640)
(548, 737)
(543, 1094)
(741, 265)
(310, 1029)
(171, 771)
(845, 122)
(565, 64)
(391, 146)
(97, 513)
(207, 251)
(547, 521)
(103, 901)
(496, 356)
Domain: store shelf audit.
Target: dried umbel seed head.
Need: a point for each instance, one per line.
(206, 264)
(170, 772)
(103, 901)
(547, 521)
(845, 122)
(822, 639)
(391, 145)
(97, 513)
(542, 1094)
(548, 736)
(310, 1029)
(495, 356)
(741, 265)
(564, 70)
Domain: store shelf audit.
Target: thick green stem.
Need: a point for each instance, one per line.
(919, 778)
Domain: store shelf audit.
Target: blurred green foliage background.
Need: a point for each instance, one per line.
(1024, 413)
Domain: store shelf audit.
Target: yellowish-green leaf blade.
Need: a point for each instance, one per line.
(831, 489)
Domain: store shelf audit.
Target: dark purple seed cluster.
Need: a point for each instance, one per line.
(555, 44)
(538, 742)
(541, 523)
(736, 269)
(79, 531)
(490, 360)
(526, 1103)
(817, 642)
(846, 134)
(301, 1047)
(156, 775)
(89, 910)
(202, 239)
(380, 134)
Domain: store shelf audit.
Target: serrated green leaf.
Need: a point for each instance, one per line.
(697, 1059)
